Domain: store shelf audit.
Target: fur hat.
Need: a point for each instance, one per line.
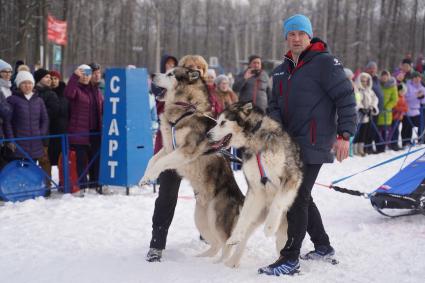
(4, 65)
(23, 67)
(220, 79)
(39, 74)
(23, 76)
(55, 74)
(297, 22)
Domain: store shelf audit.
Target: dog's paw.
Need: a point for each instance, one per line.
(145, 181)
(234, 239)
(232, 263)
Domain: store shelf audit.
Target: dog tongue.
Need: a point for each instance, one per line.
(220, 144)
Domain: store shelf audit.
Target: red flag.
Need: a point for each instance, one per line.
(56, 30)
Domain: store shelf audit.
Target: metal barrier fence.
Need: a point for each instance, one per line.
(65, 149)
(419, 130)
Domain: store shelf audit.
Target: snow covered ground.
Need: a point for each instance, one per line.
(105, 238)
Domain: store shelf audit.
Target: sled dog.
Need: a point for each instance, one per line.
(184, 126)
(272, 168)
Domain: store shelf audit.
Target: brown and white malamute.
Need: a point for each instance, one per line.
(184, 126)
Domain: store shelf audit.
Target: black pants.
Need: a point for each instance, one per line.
(165, 205)
(364, 134)
(94, 168)
(407, 129)
(81, 154)
(85, 154)
(384, 131)
(304, 217)
(395, 133)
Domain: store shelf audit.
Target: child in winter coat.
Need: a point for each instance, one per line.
(398, 113)
(367, 107)
(389, 89)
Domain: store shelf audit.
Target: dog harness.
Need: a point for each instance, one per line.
(263, 173)
(173, 127)
(191, 109)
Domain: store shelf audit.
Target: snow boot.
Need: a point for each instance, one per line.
(154, 255)
(360, 149)
(355, 149)
(324, 253)
(281, 267)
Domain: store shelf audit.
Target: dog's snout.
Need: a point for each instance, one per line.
(209, 135)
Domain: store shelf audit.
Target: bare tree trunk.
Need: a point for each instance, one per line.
(25, 11)
(345, 30)
(63, 47)
(413, 29)
(369, 14)
(395, 30)
(208, 28)
(382, 27)
(423, 35)
(158, 42)
(325, 20)
(179, 26)
(194, 33)
(335, 44)
(236, 43)
(358, 41)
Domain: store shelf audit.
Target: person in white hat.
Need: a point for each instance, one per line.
(5, 76)
(28, 118)
(85, 117)
(5, 92)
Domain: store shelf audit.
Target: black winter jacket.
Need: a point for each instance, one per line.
(314, 101)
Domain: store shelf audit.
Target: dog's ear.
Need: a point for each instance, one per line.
(247, 108)
(193, 75)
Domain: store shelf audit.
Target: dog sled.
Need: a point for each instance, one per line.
(405, 190)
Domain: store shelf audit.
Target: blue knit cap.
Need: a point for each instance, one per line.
(297, 22)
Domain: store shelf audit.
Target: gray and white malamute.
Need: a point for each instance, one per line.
(272, 168)
(184, 126)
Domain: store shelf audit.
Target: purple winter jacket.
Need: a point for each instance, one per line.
(79, 104)
(28, 119)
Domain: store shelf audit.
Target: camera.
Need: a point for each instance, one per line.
(87, 72)
(255, 72)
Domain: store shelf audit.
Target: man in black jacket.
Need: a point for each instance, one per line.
(314, 102)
